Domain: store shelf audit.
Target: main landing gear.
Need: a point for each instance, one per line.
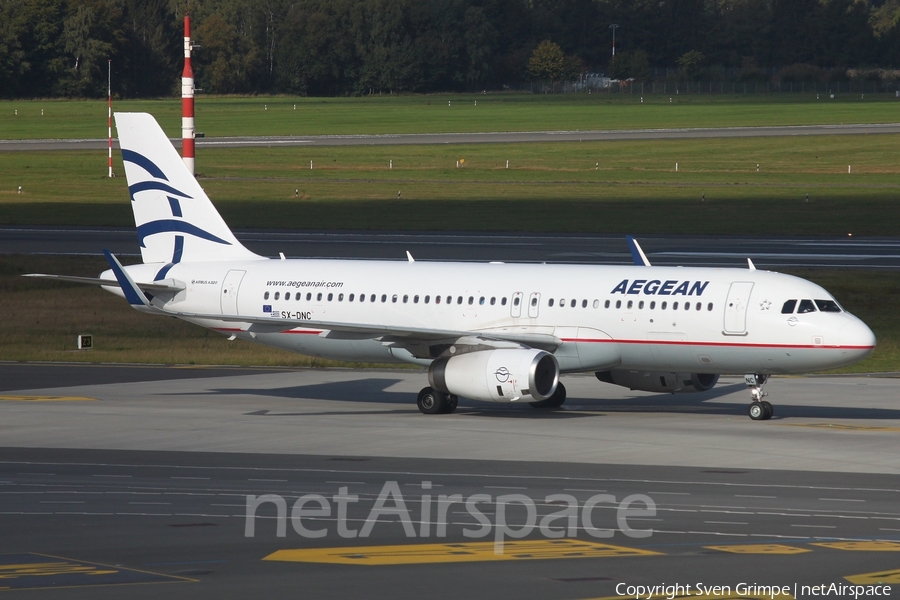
(554, 401)
(759, 409)
(433, 402)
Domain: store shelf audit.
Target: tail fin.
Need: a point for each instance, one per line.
(176, 222)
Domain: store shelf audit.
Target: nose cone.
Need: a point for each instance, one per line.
(857, 338)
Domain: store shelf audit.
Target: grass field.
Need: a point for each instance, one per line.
(227, 116)
(49, 316)
(625, 186)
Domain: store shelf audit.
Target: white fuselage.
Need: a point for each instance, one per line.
(699, 320)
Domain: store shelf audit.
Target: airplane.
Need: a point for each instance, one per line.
(493, 332)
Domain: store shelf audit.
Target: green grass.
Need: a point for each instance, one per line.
(227, 116)
(548, 187)
(43, 320)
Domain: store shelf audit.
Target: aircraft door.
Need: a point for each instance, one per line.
(515, 309)
(534, 305)
(230, 287)
(736, 308)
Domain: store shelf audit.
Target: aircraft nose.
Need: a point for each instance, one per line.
(856, 335)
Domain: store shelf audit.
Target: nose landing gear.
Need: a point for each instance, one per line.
(759, 409)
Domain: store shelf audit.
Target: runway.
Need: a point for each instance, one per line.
(497, 137)
(845, 252)
(149, 469)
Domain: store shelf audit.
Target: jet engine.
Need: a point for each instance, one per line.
(659, 381)
(503, 375)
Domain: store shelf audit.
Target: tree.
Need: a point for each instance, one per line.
(547, 61)
(691, 63)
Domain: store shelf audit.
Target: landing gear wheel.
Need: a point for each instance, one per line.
(770, 410)
(554, 401)
(431, 401)
(757, 411)
(450, 406)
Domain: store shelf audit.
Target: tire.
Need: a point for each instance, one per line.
(554, 401)
(757, 411)
(431, 401)
(451, 404)
(770, 410)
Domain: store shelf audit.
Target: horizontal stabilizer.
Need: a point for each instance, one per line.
(149, 287)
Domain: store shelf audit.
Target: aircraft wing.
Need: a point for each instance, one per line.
(399, 335)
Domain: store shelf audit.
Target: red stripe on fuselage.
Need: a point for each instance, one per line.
(714, 344)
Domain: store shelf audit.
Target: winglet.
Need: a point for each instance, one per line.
(409, 257)
(132, 292)
(637, 255)
(750, 265)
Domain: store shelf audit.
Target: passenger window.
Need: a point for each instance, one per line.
(664, 305)
(806, 306)
(596, 304)
(828, 306)
(652, 305)
(674, 306)
(699, 306)
(687, 306)
(362, 297)
(534, 301)
(330, 297)
(309, 295)
(416, 299)
(641, 304)
(287, 296)
(550, 302)
(709, 306)
(394, 299)
(788, 307)
(618, 304)
(503, 301)
(319, 296)
(266, 296)
(584, 304)
(572, 303)
(405, 298)
(437, 299)
(340, 297)
(630, 304)
(427, 299)
(277, 295)
(606, 304)
(562, 302)
(493, 300)
(515, 301)
(481, 301)
(471, 300)
(384, 297)
(459, 300)
(350, 298)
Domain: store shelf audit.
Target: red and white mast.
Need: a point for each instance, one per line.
(187, 101)
(109, 111)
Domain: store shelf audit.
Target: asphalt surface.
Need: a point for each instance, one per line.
(475, 138)
(140, 488)
(766, 252)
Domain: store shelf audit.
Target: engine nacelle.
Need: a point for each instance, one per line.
(659, 381)
(497, 375)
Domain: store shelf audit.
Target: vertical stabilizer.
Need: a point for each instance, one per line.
(176, 222)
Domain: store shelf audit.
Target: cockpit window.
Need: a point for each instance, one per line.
(788, 307)
(806, 306)
(828, 306)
